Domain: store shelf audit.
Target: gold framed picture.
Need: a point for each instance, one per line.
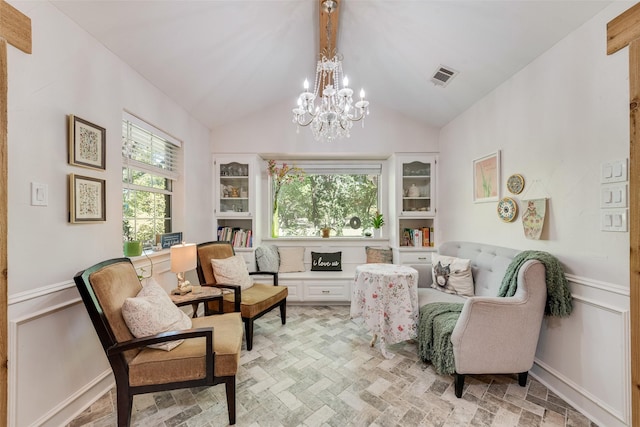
(87, 144)
(87, 199)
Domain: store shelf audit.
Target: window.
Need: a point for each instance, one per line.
(149, 170)
(343, 197)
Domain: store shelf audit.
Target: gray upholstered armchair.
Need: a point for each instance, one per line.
(493, 335)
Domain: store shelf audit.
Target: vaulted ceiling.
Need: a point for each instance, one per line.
(224, 59)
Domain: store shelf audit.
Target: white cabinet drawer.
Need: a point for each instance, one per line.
(422, 257)
(327, 291)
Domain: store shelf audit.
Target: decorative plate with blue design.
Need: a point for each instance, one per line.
(507, 209)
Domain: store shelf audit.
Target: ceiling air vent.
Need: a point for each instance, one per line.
(443, 76)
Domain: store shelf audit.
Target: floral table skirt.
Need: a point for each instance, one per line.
(385, 296)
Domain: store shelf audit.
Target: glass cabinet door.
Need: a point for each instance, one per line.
(416, 188)
(234, 189)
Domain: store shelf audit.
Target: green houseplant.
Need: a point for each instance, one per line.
(130, 247)
(377, 221)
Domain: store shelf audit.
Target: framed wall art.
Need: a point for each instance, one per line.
(87, 143)
(486, 178)
(87, 199)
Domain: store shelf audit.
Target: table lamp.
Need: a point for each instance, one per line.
(183, 258)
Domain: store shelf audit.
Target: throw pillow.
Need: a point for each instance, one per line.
(379, 255)
(326, 261)
(452, 275)
(232, 271)
(291, 260)
(267, 258)
(152, 312)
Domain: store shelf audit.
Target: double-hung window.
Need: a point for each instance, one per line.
(342, 196)
(150, 160)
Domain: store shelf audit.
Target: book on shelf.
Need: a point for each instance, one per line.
(417, 237)
(426, 236)
(238, 237)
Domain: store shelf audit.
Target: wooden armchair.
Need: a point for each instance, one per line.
(208, 355)
(254, 302)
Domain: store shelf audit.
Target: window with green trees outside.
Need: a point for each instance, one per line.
(343, 198)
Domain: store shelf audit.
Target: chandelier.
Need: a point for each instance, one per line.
(335, 112)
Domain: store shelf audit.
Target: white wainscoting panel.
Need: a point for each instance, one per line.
(585, 358)
(57, 367)
(52, 347)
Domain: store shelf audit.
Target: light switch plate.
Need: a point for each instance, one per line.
(39, 194)
(613, 196)
(613, 171)
(613, 220)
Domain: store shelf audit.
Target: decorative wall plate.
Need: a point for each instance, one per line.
(515, 183)
(507, 209)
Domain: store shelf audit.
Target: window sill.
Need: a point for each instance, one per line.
(150, 254)
(337, 241)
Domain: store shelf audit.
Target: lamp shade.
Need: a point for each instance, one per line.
(183, 257)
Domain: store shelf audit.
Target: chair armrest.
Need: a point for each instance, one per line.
(162, 337)
(237, 293)
(274, 275)
(495, 334)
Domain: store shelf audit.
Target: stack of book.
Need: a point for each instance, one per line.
(238, 237)
(417, 237)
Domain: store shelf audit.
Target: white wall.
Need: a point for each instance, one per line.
(557, 121)
(272, 131)
(52, 343)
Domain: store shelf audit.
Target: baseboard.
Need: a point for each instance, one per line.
(63, 413)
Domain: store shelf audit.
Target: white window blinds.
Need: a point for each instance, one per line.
(149, 149)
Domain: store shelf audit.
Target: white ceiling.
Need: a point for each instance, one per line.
(224, 59)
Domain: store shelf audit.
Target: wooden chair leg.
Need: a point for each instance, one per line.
(459, 384)
(124, 402)
(283, 312)
(248, 331)
(230, 386)
(522, 378)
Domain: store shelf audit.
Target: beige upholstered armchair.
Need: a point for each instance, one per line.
(254, 301)
(209, 354)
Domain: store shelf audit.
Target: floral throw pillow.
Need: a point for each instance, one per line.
(232, 271)
(152, 312)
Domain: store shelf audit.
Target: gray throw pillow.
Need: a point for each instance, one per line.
(267, 258)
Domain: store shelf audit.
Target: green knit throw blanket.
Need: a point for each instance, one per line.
(436, 323)
(558, 294)
(437, 319)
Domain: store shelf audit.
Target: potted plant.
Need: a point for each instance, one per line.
(131, 247)
(378, 222)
